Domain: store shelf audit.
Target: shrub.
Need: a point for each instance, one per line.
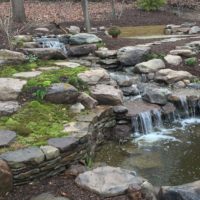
(114, 31)
(150, 5)
(191, 61)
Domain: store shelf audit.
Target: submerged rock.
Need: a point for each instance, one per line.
(108, 181)
(190, 191)
(132, 55)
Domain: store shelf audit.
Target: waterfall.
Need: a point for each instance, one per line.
(53, 43)
(146, 122)
(184, 105)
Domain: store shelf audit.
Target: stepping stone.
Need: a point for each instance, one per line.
(108, 181)
(10, 88)
(27, 75)
(8, 107)
(19, 158)
(6, 137)
(48, 68)
(64, 143)
(48, 196)
(67, 64)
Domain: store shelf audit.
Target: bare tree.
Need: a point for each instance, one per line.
(117, 14)
(18, 11)
(84, 4)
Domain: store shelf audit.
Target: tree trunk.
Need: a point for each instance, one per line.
(18, 11)
(86, 15)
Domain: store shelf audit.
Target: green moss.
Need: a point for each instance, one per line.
(191, 61)
(62, 75)
(36, 122)
(9, 70)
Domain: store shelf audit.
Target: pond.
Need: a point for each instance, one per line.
(169, 156)
(142, 30)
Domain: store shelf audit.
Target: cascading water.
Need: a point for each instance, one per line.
(184, 105)
(53, 43)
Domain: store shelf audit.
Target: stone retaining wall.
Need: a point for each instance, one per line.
(38, 163)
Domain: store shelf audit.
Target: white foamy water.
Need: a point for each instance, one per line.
(165, 134)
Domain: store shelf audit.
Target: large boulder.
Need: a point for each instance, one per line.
(6, 180)
(171, 76)
(132, 55)
(107, 94)
(62, 93)
(173, 60)
(150, 66)
(11, 57)
(82, 50)
(10, 88)
(156, 95)
(95, 76)
(190, 191)
(45, 53)
(84, 38)
(108, 181)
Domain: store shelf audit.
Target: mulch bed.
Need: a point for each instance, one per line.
(59, 186)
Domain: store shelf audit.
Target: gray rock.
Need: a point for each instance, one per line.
(105, 53)
(150, 66)
(64, 143)
(190, 191)
(132, 90)
(107, 94)
(95, 76)
(62, 93)
(87, 100)
(194, 30)
(42, 30)
(67, 64)
(121, 133)
(179, 84)
(77, 108)
(122, 80)
(6, 178)
(173, 60)
(6, 137)
(8, 107)
(10, 88)
(48, 196)
(27, 75)
(172, 76)
(45, 53)
(108, 181)
(11, 57)
(132, 55)
(156, 95)
(109, 61)
(84, 38)
(82, 50)
(120, 109)
(74, 30)
(50, 152)
(18, 158)
(183, 52)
